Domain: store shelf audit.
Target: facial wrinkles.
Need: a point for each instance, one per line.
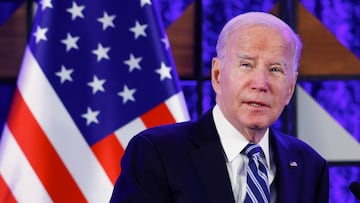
(263, 48)
(263, 51)
(270, 49)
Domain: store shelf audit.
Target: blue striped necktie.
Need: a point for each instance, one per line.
(257, 188)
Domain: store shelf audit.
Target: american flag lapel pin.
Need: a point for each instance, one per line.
(293, 164)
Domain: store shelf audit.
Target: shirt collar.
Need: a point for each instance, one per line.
(232, 140)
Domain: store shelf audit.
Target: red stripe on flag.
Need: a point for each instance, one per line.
(43, 158)
(109, 152)
(159, 115)
(6, 195)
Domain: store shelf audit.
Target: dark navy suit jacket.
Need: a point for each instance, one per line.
(185, 163)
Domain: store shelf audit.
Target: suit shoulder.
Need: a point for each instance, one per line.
(296, 145)
(170, 133)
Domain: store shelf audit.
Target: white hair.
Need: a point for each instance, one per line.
(251, 19)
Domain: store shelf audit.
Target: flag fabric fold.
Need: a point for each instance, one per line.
(94, 74)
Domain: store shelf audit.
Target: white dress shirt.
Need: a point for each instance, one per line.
(233, 142)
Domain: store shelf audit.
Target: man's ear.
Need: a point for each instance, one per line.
(215, 73)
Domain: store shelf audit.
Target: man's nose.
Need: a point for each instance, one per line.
(260, 80)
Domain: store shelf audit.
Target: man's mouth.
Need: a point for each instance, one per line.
(255, 104)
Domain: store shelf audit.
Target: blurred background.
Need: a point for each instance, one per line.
(325, 111)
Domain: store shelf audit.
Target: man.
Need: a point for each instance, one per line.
(254, 76)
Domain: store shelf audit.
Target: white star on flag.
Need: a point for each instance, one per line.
(101, 52)
(86, 86)
(107, 21)
(65, 74)
(46, 4)
(166, 42)
(97, 85)
(133, 63)
(164, 71)
(139, 30)
(70, 42)
(127, 94)
(144, 2)
(91, 116)
(40, 34)
(76, 11)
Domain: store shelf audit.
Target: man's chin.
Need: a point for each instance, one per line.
(258, 126)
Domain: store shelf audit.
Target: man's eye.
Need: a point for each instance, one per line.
(276, 70)
(245, 65)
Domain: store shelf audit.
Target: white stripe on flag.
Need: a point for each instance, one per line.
(125, 133)
(18, 173)
(62, 132)
(177, 106)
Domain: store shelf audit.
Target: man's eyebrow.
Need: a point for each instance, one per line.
(245, 56)
(281, 63)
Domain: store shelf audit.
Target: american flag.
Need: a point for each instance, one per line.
(94, 74)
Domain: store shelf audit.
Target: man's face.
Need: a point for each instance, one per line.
(255, 79)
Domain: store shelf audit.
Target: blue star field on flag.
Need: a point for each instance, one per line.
(107, 63)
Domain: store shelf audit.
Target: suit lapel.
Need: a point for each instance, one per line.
(288, 169)
(209, 161)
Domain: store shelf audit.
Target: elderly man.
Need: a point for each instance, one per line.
(232, 154)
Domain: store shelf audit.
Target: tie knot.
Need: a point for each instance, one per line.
(252, 149)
